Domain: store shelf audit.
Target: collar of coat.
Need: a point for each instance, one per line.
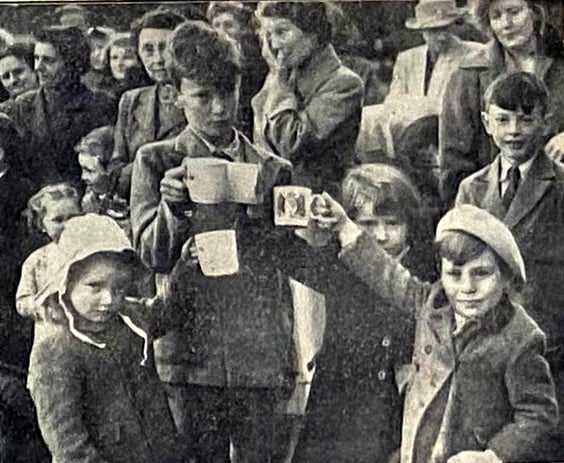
(315, 71)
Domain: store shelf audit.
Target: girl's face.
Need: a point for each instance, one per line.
(98, 288)
(512, 22)
(287, 43)
(227, 23)
(57, 212)
(122, 59)
(389, 230)
(475, 287)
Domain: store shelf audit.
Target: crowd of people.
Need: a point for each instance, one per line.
(230, 239)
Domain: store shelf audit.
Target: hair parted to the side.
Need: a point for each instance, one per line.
(55, 192)
(102, 137)
(309, 17)
(159, 18)
(383, 188)
(517, 91)
(199, 52)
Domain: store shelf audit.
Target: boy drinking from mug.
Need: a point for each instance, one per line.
(228, 360)
(525, 189)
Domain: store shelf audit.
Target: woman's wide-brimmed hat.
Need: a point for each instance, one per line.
(434, 14)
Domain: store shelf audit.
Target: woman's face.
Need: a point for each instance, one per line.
(287, 43)
(512, 22)
(122, 59)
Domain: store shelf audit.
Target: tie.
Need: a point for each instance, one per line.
(514, 177)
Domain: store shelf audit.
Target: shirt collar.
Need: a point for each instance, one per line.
(233, 150)
(505, 166)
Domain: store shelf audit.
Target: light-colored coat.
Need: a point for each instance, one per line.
(492, 391)
(409, 71)
(316, 123)
(137, 124)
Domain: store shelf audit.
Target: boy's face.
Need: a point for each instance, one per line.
(389, 230)
(152, 51)
(210, 111)
(97, 290)
(57, 212)
(93, 172)
(475, 287)
(517, 135)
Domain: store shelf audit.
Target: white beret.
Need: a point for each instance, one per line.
(481, 224)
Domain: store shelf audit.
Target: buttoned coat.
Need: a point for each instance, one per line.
(228, 331)
(137, 124)
(315, 123)
(464, 145)
(493, 392)
(536, 219)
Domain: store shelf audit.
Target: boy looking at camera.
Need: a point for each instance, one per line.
(525, 189)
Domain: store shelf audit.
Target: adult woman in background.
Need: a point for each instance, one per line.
(53, 118)
(309, 108)
(522, 40)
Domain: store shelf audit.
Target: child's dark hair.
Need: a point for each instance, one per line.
(102, 137)
(386, 189)
(518, 91)
(202, 54)
(36, 208)
(460, 248)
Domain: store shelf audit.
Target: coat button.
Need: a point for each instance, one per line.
(386, 341)
(428, 349)
(382, 375)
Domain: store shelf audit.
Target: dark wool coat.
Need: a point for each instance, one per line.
(51, 129)
(229, 331)
(490, 388)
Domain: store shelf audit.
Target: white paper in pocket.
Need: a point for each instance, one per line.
(217, 252)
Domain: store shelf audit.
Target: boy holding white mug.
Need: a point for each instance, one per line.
(229, 359)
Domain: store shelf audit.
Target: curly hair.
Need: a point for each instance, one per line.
(36, 207)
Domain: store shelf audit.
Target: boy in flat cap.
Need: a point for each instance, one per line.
(525, 189)
(480, 389)
(229, 360)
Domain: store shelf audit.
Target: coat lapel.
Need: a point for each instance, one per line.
(144, 114)
(531, 190)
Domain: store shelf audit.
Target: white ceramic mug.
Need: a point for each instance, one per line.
(217, 252)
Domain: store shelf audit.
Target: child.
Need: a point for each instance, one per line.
(48, 210)
(229, 359)
(354, 411)
(94, 153)
(97, 396)
(525, 189)
(481, 390)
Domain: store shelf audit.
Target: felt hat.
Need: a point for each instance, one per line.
(482, 225)
(433, 14)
